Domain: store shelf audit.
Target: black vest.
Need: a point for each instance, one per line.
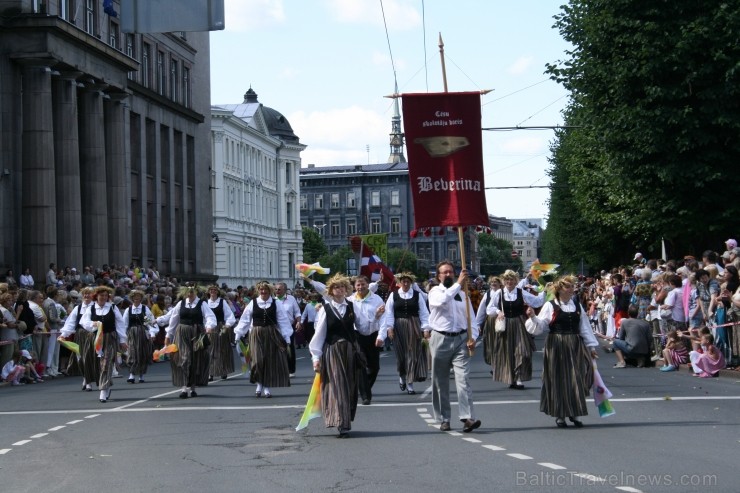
(512, 309)
(219, 311)
(339, 328)
(262, 317)
(109, 319)
(565, 323)
(405, 308)
(136, 318)
(191, 316)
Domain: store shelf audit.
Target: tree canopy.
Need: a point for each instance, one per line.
(651, 144)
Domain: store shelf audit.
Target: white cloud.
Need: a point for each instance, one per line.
(341, 136)
(242, 15)
(520, 65)
(399, 14)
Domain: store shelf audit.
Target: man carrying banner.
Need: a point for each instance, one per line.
(450, 346)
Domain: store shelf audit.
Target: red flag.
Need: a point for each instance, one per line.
(370, 264)
(443, 138)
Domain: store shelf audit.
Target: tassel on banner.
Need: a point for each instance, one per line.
(427, 232)
(441, 231)
(414, 233)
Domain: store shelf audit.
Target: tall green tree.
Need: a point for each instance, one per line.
(495, 256)
(654, 98)
(313, 246)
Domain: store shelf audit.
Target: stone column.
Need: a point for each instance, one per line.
(67, 157)
(117, 173)
(38, 200)
(93, 172)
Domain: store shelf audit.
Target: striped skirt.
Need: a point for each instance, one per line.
(490, 340)
(567, 376)
(189, 368)
(269, 358)
(139, 349)
(87, 361)
(340, 376)
(108, 360)
(411, 359)
(512, 353)
(222, 354)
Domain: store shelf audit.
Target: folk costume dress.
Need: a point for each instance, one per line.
(511, 357)
(139, 320)
(87, 360)
(222, 354)
(568, 371)
(188, 321)
(407, 314)
(335, 344)
(269, 332)
(114, 334)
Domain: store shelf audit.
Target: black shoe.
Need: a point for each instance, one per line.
(470, 425)
(130, 380)
(210, 378)
(577, 423)
(141, 380)
(402, 385)
(258, 393)
(517, 386)
(560, 422)
(365, 402)
(183, 395)
(445, 426)
(223, 377)
(343, 433)
(193, 394)
(411, 392)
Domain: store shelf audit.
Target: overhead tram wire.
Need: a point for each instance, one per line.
(424, 43)
(388, 39)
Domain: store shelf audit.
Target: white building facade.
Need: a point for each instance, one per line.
(255, 191)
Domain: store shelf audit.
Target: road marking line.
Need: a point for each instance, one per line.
(4, 451)
(22, 442)
(39, 435)
(629, 489)
(493, 447)
(550, 465)
(471, 440)
(520, 456)
(589, 477)
(92, 416)
(421, 409)
(57, 428)
(431, 421)
(455, 433)
(75, 422)
(425, 415)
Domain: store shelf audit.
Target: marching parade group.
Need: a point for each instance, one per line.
(345, 324)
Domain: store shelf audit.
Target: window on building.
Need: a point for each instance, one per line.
(351, 227)
(334, 227)
(452, 252)
(146, 65)
(395, 225)
(186, 86)
(161, 76)
(173, 80)
(131, 52)
(335, 201)
(395, 197)
(289, 216)
(304, 202)
(65, 9)
(375, 225)
(113, 35)
(288, 172)
(90, 17)
(351, 200)
(318, 201)
(375, 199)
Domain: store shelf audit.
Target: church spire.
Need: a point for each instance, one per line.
(397, 143)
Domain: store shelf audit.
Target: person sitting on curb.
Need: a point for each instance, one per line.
(634, 340)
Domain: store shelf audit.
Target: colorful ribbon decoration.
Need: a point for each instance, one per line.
(313, 405)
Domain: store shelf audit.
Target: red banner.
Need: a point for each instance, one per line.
(444, 143)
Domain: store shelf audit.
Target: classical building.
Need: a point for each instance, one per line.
(527, 240)
(254, 183)
(501, 228)
(105, 153)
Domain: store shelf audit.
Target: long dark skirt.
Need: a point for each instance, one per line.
(411, 359)
(189, 368)
(139, 349)
(490, 339)
(88, 362)
(340, 375)
(567, 376)
(222, 354)
(108, 360)
(269, 362)
(512, 355)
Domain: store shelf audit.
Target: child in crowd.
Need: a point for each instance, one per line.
(21, 372)
(709, 361)
(675, 353)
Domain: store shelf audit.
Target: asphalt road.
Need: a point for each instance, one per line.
(671, 432)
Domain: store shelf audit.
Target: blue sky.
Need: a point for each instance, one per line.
(325, 65)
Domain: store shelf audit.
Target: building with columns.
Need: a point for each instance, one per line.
(254, 182)
(105, 142)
